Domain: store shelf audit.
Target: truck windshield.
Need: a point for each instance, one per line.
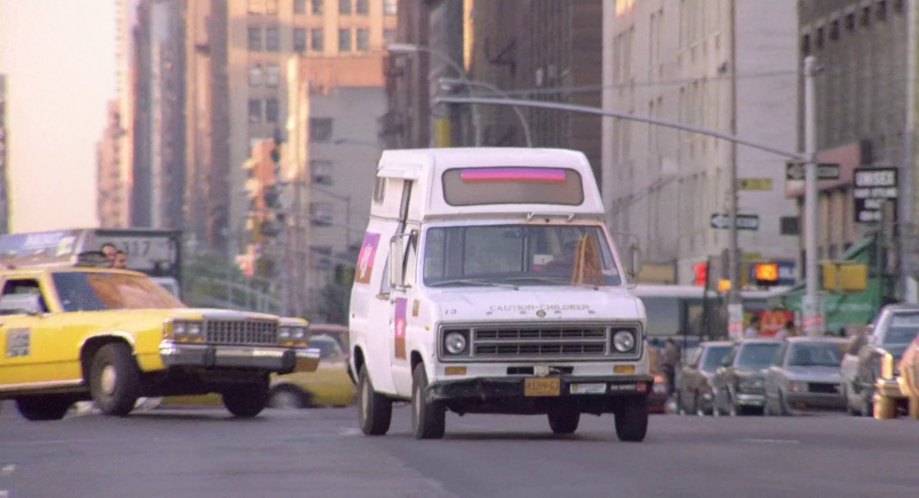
(519, 255)
(84, 291)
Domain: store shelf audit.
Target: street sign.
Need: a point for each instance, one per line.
(875, 188)
(722, 221)
(825, 171)
(764, 184)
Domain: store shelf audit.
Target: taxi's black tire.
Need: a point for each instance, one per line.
(38, 408)
(564, 421)
(246, 400)
(114, 379)
(374, 411)
(632, 420)
(428, 419)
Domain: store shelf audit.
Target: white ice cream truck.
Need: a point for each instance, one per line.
(488, 283)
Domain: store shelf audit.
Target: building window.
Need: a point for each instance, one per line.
(806, 44)
(317, 40)
(255, 110)
(321, 172)
(321, 259)
(881, 11)
(834, 30)
(344, 40)
(850, 22)
(389, 7)
(272, 75)
(320, 129)
(818, 40)
(255, 39)
(321, 213)
(271, 110)
(389, 36)
(344, 7)
(255, 75)
(317, 7)
(362, 7)
(256, 6)
(271, 7)
(299, 39)
(299, 6)
(363, 40)
(272, 39)
(866, 16)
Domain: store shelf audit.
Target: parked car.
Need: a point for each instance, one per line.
(737, 386)
(909, 377)
(805, 375)
(894, 328)
(693, 390)
(328, 385)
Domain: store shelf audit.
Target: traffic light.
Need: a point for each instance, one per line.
(263, 191)
(766, 274)
(701, 274)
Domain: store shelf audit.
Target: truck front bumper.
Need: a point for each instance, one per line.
(274, 359)
(515, 394)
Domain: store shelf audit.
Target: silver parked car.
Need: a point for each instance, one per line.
(805, 375)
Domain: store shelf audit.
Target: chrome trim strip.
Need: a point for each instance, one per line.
(42, 385)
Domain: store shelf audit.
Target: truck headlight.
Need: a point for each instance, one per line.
(624, 341)
(455, 342)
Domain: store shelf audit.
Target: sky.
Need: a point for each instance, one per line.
(59, 58)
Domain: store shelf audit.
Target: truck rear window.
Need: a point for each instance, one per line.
(512, 185)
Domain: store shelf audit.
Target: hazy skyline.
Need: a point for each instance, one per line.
(59, 58)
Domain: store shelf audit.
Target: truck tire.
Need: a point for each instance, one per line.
(247, 400)
(49, 407)
(374, 411)
(427, 418)
(114, 379)
(564, 421)
(632, 420)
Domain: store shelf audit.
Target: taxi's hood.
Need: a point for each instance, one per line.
(543, 303)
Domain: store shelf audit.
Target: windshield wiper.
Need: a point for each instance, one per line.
(471, 281)
(554, 280)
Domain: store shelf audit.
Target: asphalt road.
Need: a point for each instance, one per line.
(205, 452)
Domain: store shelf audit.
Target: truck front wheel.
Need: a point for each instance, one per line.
(374, 411)
(427, 418)
(632, 420)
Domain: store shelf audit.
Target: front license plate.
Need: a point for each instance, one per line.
(588, 388)
(542, 387)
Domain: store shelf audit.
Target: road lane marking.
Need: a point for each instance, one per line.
(768, 441)
(7, 470)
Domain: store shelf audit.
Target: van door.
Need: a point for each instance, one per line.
(401, 311)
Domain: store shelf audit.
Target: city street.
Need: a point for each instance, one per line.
(204, 452)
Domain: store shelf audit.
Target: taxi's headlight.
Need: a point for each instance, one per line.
(298, 333)
(284, 333)
(624, 341)
(194, 329)
(186, 329)
(455, 342)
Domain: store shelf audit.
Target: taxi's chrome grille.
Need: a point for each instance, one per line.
(243, 332)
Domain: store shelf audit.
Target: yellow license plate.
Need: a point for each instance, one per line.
(542, 387)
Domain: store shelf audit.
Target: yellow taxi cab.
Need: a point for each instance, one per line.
(328, 385)
(72, 333)
(909, 378)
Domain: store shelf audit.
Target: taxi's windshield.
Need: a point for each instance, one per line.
(518, 255)
(79, 291)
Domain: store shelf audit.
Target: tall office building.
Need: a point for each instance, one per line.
(731, 67)
(4, 165)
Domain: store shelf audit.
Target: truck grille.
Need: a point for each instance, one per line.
(541, 341)
(241, 332)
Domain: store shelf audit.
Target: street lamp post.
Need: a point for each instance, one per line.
(411, 48)
(497, 91)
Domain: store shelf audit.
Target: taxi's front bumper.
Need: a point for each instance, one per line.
(271, 358)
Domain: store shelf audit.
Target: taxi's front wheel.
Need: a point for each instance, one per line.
(248, 400)
(114, 379)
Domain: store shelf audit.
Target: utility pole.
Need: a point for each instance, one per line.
(735, 307)
(812, 320)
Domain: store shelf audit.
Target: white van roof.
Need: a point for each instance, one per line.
(426, 167)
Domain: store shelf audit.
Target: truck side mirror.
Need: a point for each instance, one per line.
(396, 253)
(634, 267)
